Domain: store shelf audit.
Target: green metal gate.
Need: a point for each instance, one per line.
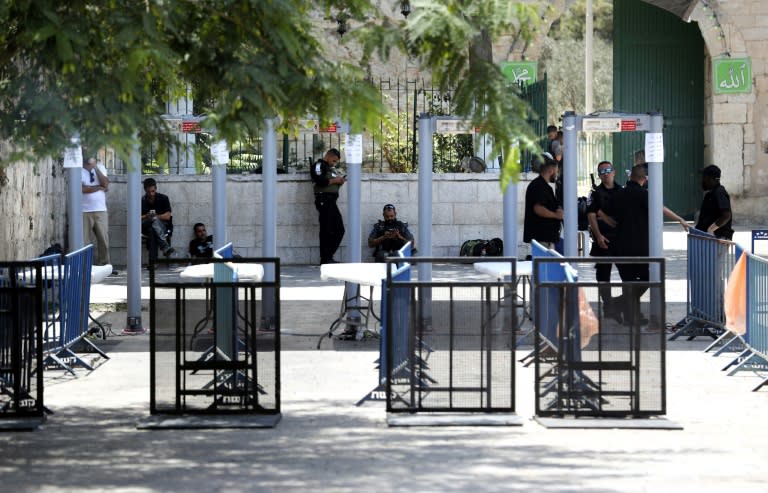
(536, 96)
(658, 65)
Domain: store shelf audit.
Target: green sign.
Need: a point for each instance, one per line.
(520, 72)
(732, 75)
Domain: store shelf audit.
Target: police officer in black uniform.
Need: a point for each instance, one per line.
(631, 208)
(327, 182)
(389, 235)
(715, 212)
(602, 224)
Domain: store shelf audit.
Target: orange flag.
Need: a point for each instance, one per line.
(736, 298)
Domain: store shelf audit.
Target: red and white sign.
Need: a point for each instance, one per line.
(190, 127)
(628, 125)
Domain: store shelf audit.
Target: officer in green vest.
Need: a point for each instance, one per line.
(327, 181)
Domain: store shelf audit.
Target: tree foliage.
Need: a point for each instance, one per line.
(104, 69)
(563, 61)
(571, 24)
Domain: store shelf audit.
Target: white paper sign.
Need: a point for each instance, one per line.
(73, 157)
(353, 148)
(219, 153)
(654, 147)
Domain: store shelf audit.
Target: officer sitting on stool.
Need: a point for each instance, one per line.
(389, 235)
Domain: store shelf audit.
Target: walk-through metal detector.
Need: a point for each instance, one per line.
(650, 123)
(452, 125)
(220, 158)
(428, 126)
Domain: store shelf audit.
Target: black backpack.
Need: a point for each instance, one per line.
(482, 248)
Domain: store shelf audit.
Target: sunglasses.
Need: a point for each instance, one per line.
(605, 171)
(93, 177)
(389, 207)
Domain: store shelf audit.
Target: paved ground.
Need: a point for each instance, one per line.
(325, 443)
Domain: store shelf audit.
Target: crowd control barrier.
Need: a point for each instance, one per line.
(450, 341)
(21, 345)
(747, 311)
(209, 354)
(66, 285)
(589, 364)
(710, 261)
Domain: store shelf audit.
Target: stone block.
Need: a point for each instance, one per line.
(729, 113)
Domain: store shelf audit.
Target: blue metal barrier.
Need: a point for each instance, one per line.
(755, 355)
(395, 322)
(710, 261)
(397, 325)
(75, 298)
(226, 251)
(546, 310)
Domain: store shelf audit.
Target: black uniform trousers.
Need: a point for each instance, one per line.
(331, 225)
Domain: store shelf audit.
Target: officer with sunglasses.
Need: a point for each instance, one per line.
(601, 215)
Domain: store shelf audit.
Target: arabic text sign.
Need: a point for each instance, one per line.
(523, 72)
(732, 75)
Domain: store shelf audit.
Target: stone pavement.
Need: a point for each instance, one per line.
(325, 443)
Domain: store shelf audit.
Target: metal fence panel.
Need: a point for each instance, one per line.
(210, 353)
(459, 351)
(588, 364)
(21, 343)
(710, 262)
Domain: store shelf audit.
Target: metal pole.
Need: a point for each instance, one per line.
(655, 202)
(570, 157)
(219, 193)
(133, 241)
(354, 179)
(510, 220)
(74, 208)
(426, 129)
(269, 217)
(269, 192)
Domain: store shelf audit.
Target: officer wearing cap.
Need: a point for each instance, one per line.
(389, 235)
(715, 213)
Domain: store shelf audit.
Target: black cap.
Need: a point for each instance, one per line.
(712, 171)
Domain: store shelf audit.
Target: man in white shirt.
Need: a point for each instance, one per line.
(95, 184)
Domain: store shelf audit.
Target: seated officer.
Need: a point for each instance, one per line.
(389, 235)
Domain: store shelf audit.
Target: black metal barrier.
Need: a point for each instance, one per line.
(215, 338)
(600, 346)
(450, 339)
(21, 343)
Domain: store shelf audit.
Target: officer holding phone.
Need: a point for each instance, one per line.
(327, 182)
(389, 235)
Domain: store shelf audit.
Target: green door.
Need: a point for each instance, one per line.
(658, 66)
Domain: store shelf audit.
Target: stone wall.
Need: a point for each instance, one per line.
(32, 207)
(465, 206)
